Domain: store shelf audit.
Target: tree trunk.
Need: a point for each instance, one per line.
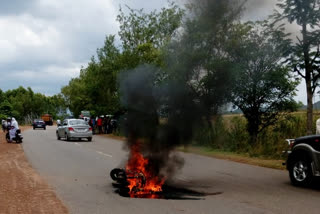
(309, 107)
(308, 71)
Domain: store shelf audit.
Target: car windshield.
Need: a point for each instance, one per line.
(77, 122)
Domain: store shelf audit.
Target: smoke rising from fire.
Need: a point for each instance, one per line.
(160, 117)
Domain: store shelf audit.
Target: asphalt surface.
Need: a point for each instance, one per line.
(79, 172)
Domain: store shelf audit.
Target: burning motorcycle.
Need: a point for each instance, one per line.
(123, 177)
(136, 179)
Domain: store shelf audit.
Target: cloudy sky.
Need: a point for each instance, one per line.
(43, 43)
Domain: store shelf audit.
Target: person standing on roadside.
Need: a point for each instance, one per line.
(92, 123)
(99, 124)
(105, 124)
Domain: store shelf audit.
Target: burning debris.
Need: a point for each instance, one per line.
(136, 179)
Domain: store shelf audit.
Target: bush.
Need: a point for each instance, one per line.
(228, 133)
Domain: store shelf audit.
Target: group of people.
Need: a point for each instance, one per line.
(102, 124)
(11, 125)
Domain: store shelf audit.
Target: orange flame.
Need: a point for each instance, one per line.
(141, 181)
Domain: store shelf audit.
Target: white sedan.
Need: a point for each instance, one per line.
(74, 128)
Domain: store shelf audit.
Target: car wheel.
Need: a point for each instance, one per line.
(44, 128)
(58, 137)
(300, 171)
(34, 128)
(67, 137)
(89, 139)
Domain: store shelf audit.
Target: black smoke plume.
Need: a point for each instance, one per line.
(162, 116)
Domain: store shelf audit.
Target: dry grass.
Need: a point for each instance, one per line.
(241, 158)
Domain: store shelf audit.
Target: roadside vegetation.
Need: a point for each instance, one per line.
(25, 105)
(230, 135)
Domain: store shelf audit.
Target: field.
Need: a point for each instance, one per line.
(229, 134)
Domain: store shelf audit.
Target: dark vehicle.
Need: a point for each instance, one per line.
(39, 124)
(18, 136)
(303, 161)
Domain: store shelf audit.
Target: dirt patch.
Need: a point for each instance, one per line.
(22, 190)
(115, 137)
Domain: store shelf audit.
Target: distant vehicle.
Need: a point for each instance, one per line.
(38, 124)
(74, 128)
(47, 118)
(303, 160)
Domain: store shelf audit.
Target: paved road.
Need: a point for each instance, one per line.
(79, 172)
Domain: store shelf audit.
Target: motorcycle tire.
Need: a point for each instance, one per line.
(8, 138)
(118, 175)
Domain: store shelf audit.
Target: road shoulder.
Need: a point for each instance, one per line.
(22, 190)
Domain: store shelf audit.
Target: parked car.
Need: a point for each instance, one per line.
(74, 128)
(303, 160)
(39, 124)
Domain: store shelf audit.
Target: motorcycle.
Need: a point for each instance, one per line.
(18, 136)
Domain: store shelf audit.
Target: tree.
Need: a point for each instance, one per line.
(25, 105)
(143, 36)
(305, 58)
(75, 95)
(264, 88)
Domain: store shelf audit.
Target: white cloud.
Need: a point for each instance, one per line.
(47, 80)
(7, 51)
(50, 40)
(45, 42)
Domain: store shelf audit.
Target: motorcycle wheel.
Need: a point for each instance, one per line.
(118, 175)
(8, 138)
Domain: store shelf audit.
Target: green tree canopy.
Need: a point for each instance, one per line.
(264, 88)
(25, 105)
(305, 57)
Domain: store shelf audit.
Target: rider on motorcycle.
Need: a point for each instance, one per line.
(14, 128)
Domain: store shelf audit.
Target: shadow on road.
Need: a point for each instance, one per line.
(315, 186)
(169, 192)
